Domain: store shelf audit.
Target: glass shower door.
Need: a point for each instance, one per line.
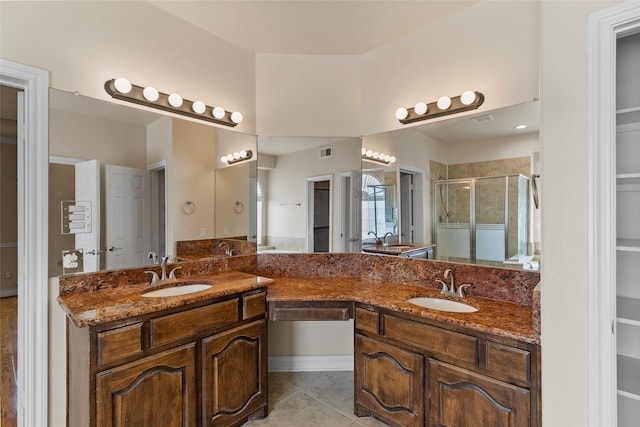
(453, 205)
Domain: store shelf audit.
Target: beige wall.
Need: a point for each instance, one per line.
(83, 44)
(564, 266)
(193, 178)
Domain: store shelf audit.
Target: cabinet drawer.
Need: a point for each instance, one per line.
(454, 344)
(309, 310)
(254, 305)
(508, 363)
(180, 325)
(119, 343)
(367, 320)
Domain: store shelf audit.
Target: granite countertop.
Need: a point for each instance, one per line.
(111, 304)
(95, 307)
(493, 317)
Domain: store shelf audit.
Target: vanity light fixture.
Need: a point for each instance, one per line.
(469, 100)
(376, 156)
(238, 156)
(149, 96)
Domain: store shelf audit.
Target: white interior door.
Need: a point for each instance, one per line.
(88, 190)
(128, 216)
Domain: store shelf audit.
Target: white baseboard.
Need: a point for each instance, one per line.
(8, 293)
(311, 363)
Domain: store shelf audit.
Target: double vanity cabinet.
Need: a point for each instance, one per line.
(201, 359)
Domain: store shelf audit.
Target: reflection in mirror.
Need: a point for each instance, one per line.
(309, 193)
(437, 165)
(139, 185)
(379, 202)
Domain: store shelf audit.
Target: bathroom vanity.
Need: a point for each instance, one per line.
(200, 358)
(196, 359)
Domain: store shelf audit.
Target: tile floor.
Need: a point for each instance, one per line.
(318, 399)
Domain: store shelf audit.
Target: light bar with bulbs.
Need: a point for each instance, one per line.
(238, 156)
(469, 100)
(376, 156)
(149, 96)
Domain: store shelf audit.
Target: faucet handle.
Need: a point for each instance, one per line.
(154, 276)
(172, 272)
(445, 288)
(460, 289)
(447, 272)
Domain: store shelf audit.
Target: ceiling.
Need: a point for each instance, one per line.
(311, 27)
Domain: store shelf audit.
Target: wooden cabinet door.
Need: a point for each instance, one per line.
(462, 398)
(389, 382)
(158, 390)
(234, 375)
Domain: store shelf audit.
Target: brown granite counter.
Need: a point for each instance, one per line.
(500, 318)
(94, 307)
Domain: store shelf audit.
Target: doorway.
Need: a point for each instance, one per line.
(33, 295)
(319, 218)
(9, 255)
(413, 217)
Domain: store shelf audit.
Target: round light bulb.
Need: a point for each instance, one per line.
(468, 97)
(392, 159)
(236, 155)
(122, 85)
(401, 113)
(229, 157)
(420, 108)
(243, 154)
(369, 153)
(381, 156)
(376, 155)
(150, 93)
(444, 102)
(223, 159)
(198, 107)
(364, 151)
(236, 117)
(387, 158)
(175, 100)
(218, 112)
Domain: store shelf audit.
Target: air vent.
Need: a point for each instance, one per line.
(485, 118)
(325, 152)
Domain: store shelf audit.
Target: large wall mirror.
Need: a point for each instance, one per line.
(128, 186)
(461, 184)
(309, 191)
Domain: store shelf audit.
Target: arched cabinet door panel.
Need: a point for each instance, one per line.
(234, 375)
(461, 398)
(153, 391)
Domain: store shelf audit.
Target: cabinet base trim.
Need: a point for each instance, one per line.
(311, 363)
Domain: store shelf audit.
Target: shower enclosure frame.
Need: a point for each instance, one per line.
(472, 211)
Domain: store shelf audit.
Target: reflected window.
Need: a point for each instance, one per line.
(369, 183)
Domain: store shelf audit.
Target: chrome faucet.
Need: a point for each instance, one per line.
(163, 265)
(384, 238)
(451, 289)
(227, 249)
(378, 241)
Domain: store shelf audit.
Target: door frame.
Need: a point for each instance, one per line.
(604, 28)
(33, 199)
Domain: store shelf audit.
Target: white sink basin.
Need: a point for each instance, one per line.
(177, 290)
(442, 305)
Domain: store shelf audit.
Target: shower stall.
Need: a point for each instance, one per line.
(482, 219)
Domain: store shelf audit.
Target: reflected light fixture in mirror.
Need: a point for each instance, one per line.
(469, 100)
(376, 156)
(123, 90)
(238, 156)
